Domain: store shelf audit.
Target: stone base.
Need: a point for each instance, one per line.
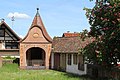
(33, 67)
(47, 67)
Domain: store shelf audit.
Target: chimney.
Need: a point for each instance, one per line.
(68, 31)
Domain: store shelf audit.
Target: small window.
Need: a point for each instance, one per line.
(14, 47)
(69, 59)
(75, 59)
(2, 33)
(9, 45)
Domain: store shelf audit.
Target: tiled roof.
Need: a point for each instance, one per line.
(70, 34)
(69, 44)
(37, 21)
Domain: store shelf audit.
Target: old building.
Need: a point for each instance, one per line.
(35, 48)
(38, 51)
(65, 53)
(9, 41)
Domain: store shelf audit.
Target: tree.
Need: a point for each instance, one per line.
(104, 19)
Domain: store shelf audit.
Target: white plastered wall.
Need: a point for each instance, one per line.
(52, 60)
(74, 68)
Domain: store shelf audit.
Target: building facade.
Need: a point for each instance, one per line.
(66, 55)
(9, 41)
(35, 48)
(38, 51)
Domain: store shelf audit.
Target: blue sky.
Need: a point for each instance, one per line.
(58, 16)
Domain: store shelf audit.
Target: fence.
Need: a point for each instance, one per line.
(101, 73)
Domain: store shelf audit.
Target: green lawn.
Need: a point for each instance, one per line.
(12, 72)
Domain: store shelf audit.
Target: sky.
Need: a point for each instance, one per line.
(58, 16)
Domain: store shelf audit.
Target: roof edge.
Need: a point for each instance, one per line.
(10, 30)
(42, 32)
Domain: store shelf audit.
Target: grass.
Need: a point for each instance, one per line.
(12, 72)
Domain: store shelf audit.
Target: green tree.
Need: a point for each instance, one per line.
(104, 19)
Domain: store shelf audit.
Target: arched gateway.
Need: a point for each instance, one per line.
(35, 57)
(35, 48)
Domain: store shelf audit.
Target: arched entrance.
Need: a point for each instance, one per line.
(35, 57)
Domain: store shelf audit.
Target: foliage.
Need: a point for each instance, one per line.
(84, 34)
(104, 19)
(12, 72)
(8, 57)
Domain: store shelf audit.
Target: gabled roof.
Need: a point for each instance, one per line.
(3, 23)
(37, 22)
(69, 44)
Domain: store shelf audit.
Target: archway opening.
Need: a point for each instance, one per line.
(35, 57)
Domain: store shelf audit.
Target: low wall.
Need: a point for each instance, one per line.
(7, 61)
(0, 61)
(74, 69)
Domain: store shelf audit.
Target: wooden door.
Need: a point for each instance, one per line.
(63, 62)
(57, 61)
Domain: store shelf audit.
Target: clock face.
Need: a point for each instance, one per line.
(35, 35)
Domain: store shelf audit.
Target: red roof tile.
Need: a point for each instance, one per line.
(69, 44)
(70, 34)
(37, 21)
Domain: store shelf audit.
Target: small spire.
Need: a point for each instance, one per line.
(37, 22)
(37, 14)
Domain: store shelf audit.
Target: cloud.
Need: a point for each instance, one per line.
(18, 15)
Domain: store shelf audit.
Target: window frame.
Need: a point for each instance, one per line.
(9, 45)
(2, 32)
(69, 62)
(75, 59)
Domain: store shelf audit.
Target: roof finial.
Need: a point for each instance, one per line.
(2, 19)
(37, 14)
(37, 9)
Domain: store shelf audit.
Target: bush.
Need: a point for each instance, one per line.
(8, 57)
